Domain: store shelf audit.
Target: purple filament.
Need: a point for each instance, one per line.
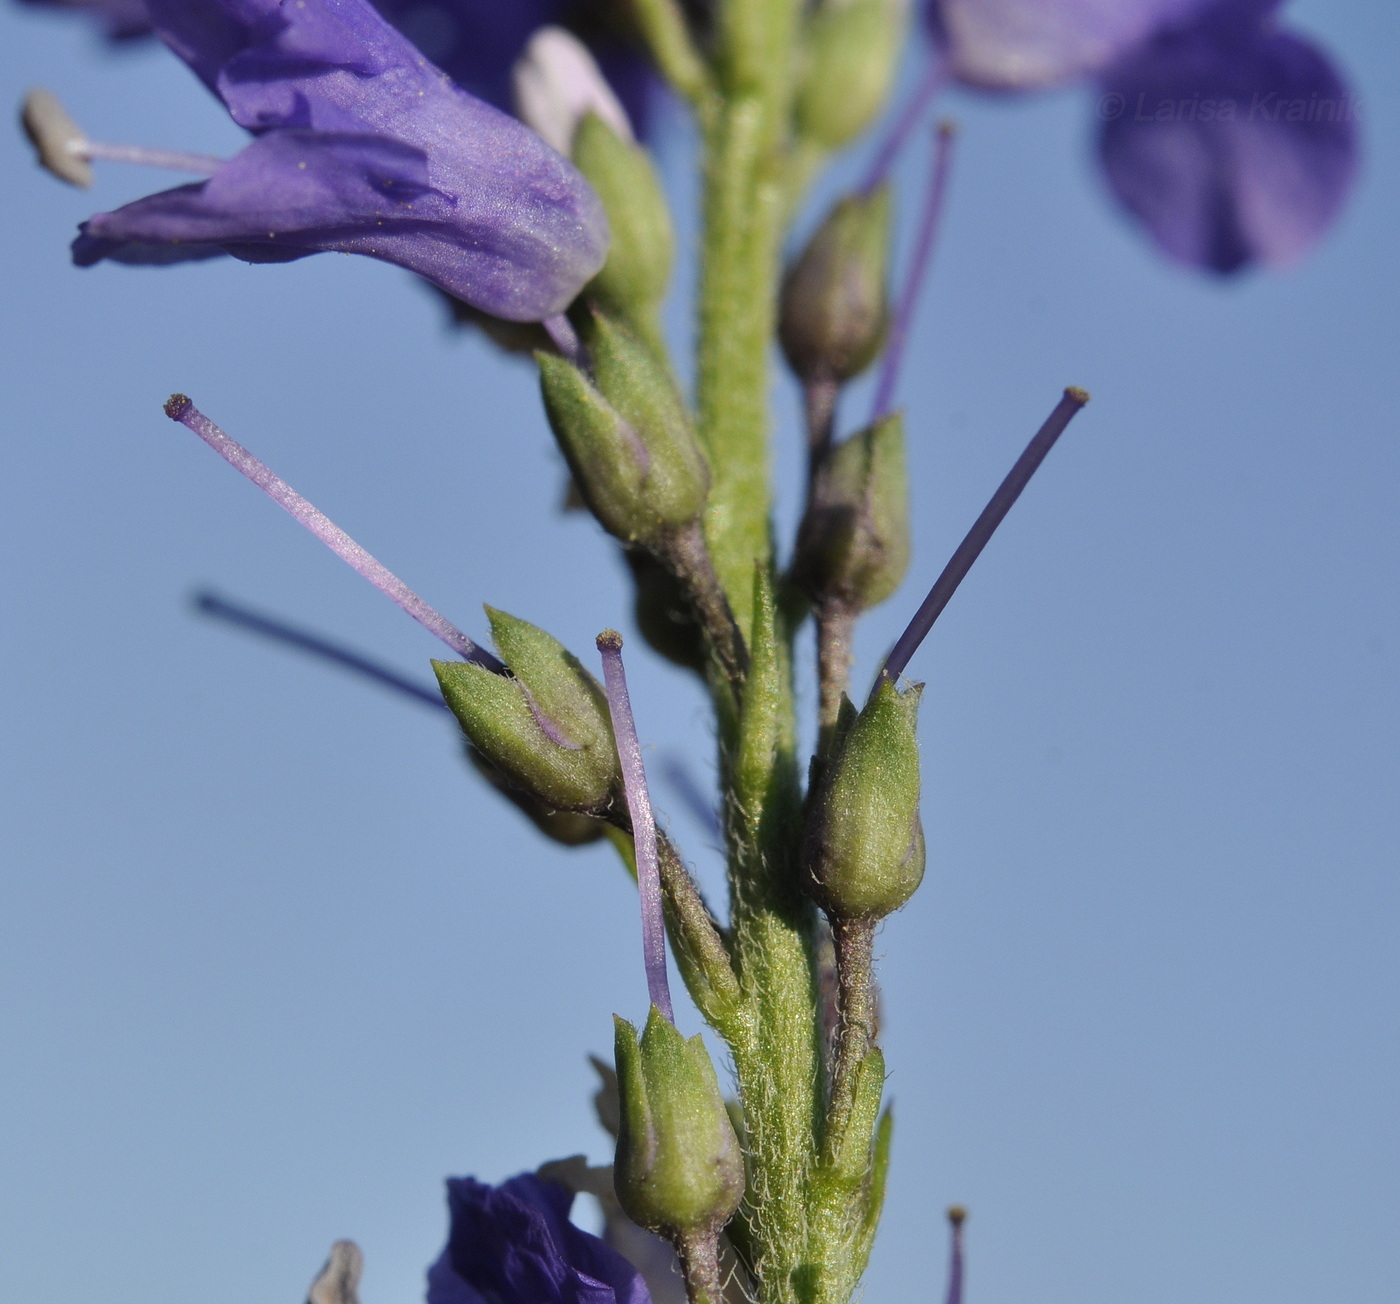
(634, 780)
(561, 331)
(929, 221)
(982, 530)
(956, 1218)
(173, 159)
(930, 84)
(179, 408)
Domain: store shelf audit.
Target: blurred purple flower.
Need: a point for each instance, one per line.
(361, 146)
(476, 42)
(120, 20)
(1231, 140)
(514, 1244)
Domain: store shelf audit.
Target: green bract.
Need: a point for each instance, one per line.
(863, 851)
(854, 542)
(545, 726)
(834, 307)
(679, 1167)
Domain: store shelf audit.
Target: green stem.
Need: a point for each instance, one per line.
(737, 311)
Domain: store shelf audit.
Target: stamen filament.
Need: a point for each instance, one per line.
(179, 408)
(211, 604)
(173, 159)
(957, 1216)
(929, 221)
(634, 779)
(982, 530)
(930, 85)
(560, 329)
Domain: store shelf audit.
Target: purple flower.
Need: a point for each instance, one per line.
(476, 42)
(1231, 140)
(1235, 143)
(514, 1244)
(361, 146)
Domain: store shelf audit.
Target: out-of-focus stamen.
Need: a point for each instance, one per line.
(179, 408)
(957, 1216)
(280, 631)
(175, 160)
(930, 218)
(930, 85)
(561, 331)
(64, 149)
(634, 779)
(982, 530)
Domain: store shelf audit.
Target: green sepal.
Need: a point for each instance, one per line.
(863, 851)
(633, 281)
(679, 1168)
(852, 51)
(834, 304)
(639, 385)
(510, 718)
(605, 455)
(627, 438)
(854, 542)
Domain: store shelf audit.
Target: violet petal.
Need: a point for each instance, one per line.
(514, 1244)
(1234, 144)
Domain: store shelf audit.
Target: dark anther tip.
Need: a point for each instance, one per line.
(957, 1215)
(1080, 396)
(177, 405)
(609, 641)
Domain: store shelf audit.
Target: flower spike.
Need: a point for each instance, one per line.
(929, 221)
(634, 779)
(179, 408)
(982, 530)
(957, 1216)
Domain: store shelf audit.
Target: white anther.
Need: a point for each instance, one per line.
(57, 139)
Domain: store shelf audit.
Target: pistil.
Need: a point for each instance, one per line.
(634, 779)
(930, 219)
(982, 530)
(179, 408)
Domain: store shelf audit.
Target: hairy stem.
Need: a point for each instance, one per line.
(819, 408)
(738, 297)
(855, 941)
(688, 558)
(836, 622)
(699, 1256)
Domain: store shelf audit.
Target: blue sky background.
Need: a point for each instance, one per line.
(272, 963)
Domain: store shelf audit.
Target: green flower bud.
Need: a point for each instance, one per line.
(852, 52)
(545, 726)
(854, 542)
(834, 308)
(633, 280)
(679, 1167)
(628, 438)
(863, 850)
